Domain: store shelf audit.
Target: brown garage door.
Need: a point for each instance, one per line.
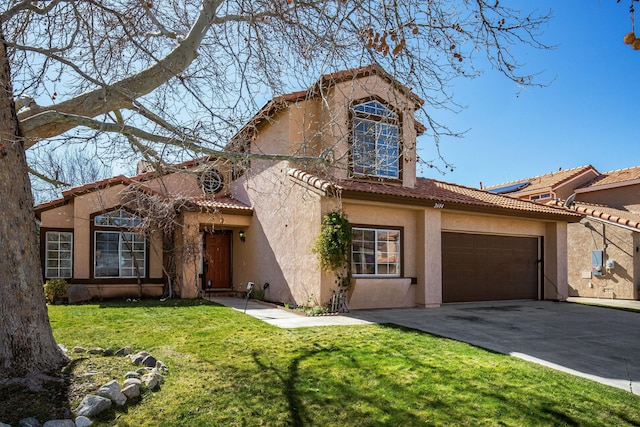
(478, 267)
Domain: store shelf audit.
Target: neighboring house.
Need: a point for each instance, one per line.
(604, 248)
(418, 242)
(548, 187)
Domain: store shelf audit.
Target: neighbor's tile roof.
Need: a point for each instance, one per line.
(607, 213)
(548, 181)
(427, 192)
(615, 177)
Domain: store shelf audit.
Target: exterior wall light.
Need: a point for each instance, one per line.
(241, 235)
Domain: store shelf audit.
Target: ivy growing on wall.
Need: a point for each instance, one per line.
(333, 245)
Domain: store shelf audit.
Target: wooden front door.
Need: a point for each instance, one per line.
(217, 260)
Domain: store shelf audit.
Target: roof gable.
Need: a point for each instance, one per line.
(615, 178)
(326, 81)
(548, 181)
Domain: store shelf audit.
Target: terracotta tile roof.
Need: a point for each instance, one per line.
(607, 213)
(222, 204)
(279, 102)
(49, 204)
(92, 186)
(620, 176)
(548, 181)
(165, 169)
(82, 189)
(353, 73)
(314, 181)
(225, 203)
(428, 192)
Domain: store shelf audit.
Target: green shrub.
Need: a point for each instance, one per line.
(333, 244)
(54, 289)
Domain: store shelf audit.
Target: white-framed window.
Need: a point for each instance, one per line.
(375, 147)
(58, 255)
(375, 252)
(118, 253)
(541, 196)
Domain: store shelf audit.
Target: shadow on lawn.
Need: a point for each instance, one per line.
(43, 400)
(345, 403)
(297, 410)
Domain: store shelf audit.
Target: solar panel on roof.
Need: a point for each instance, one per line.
(509, 188)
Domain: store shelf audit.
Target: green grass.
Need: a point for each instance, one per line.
(228, 369)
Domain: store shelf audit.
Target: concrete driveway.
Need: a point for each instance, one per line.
(598, 343)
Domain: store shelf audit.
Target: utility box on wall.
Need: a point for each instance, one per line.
(596, 262)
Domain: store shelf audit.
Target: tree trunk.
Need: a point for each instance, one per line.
(26, 339)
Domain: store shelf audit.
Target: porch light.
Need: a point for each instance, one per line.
(241, 235)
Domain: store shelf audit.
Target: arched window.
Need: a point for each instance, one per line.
(375, 147)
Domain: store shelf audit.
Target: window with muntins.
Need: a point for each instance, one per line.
(118, 253)
(58, 255)
(375, 252)
(117, 218)
(375, 146)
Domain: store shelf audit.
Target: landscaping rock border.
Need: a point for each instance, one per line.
(150, 375)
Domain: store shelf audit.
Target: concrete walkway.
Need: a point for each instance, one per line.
(605, 302)
(597, 343)
(282, 318)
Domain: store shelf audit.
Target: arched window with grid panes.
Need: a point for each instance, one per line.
(375, 150)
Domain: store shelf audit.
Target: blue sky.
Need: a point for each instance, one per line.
(589, 113)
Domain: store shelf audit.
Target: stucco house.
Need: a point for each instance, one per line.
(603, 248)
(418, 242)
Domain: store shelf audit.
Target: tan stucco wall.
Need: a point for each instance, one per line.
(627, 197)
(185, 182)
(430, 264)
(280, 236)
(182, 183)
(566, 189)
(473, 223)
(617, 283)
(60, 217)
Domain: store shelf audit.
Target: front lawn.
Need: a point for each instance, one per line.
(228, 369)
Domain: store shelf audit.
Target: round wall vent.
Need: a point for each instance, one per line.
(211, 181)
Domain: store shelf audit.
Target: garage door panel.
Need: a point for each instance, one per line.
(478, 267)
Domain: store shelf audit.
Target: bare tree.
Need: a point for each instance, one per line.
(53, 171)
(180, 77)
